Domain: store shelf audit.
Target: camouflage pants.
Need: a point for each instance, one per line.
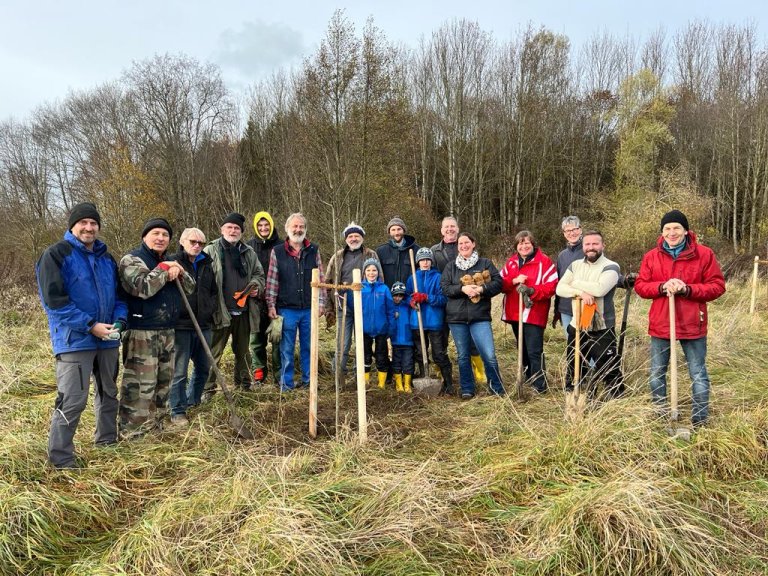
(147, 375)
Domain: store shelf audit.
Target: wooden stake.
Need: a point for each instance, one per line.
(754, 286)
(362, 414)
(314, 342)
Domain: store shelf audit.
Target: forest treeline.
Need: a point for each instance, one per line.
(501, 134)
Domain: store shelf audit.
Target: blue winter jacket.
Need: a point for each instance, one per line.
(377, 308)
(78, 288)
(400, 332)
(433, 310)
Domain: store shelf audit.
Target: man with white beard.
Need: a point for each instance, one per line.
(340, 269)
(289, 294)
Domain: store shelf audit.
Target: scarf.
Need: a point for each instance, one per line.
(466, 263)
(234, 253)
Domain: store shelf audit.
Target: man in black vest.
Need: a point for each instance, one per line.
(289, 294)
(147, 279)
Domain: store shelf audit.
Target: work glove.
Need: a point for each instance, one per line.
(525, 293)
(523, 289)
(629, 280)
(419, 297)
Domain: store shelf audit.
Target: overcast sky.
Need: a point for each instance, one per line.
(51, 47)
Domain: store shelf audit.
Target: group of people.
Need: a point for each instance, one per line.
(153, 300)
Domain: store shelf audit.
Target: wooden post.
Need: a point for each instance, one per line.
(362, 412)
(314, 341)
(754, 286)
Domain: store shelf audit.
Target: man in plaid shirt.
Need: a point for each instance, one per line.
(289, 294)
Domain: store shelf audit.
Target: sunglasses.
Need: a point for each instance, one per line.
(197, 242)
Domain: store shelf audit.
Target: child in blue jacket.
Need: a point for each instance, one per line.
(432, 302)
(402, 341)
(377, 311)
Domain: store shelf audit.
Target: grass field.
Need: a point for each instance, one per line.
(490, 486)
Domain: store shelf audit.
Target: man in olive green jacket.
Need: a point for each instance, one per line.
(240, 279)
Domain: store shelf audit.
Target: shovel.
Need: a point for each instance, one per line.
(674, 414)
(426, 386)
(576, 402)
(624, 318)
(235, 422)
(520, 375)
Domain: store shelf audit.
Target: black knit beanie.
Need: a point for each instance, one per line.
(157, 223)
(235, 218)
(83, 210)
(674, 216)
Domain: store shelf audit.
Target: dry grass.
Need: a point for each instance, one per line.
(490, 486)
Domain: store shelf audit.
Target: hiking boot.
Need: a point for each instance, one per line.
(179, 421)
(467, 395)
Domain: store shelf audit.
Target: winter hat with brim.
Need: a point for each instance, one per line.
(157, 223)
(353, 229)
(423, 254)
(235, 218)
(397, 221)
(82, 211)
(371, 262)
(398, 288)
(676, 217)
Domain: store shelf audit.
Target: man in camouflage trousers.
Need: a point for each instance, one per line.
(147, 278)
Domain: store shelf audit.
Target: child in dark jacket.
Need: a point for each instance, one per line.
(377, 312)
(402, 341)
(432, 302)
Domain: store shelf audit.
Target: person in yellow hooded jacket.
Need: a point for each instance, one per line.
(263, 242)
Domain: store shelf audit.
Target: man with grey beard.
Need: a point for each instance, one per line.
(340, 269)
(289, 294)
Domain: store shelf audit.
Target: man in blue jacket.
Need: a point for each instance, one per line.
(77, 281)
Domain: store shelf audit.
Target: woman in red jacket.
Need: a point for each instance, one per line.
(529, 274)
(680, 265)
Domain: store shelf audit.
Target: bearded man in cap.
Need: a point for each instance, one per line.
(393, 254)
(77, 280)
(240, 279)
(148, 278)
(681, 266)
(340, 269)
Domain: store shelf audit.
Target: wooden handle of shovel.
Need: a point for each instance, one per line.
(673, 413)
(418, 315)
(520, 378)
(577, 347)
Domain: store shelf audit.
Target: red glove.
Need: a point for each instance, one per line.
(419, 297)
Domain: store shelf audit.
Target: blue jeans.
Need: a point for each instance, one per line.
(482, 335)
(294, 321)
(187, 392)
(695, 356)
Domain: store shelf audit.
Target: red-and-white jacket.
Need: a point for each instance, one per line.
(542, 277)
(698, 268)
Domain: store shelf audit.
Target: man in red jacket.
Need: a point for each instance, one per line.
(680, 265)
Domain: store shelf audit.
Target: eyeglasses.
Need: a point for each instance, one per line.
(571, 230)
(197, 242)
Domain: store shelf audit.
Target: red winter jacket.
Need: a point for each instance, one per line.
(698, 268)
(542, 277)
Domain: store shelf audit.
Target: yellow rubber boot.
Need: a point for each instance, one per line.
(367, 378)
(382, 379)
(399, 382)
(407, 383)
(479, 369)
